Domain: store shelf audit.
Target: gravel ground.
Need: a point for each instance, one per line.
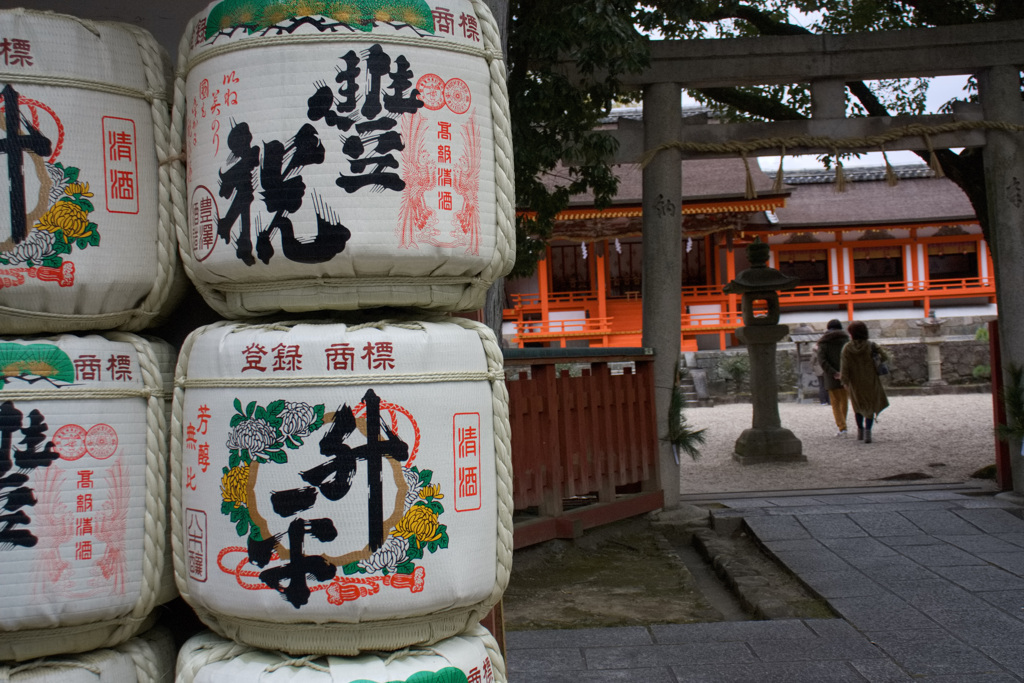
(945, 438)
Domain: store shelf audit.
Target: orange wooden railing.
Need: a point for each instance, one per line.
(590, 438)
(603, 331)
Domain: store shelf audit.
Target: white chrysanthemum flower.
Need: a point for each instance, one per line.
(393, 553)
(255, 435)
(35, 247)
(296, 418)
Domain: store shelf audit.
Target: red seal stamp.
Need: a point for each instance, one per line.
(69, 441)
(457, 95)
(101, 441)
(431, 88)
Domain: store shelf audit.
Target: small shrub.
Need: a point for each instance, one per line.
(982, 372)
(735, 367)
(981, 334)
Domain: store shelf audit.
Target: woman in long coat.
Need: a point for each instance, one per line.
(857, 373)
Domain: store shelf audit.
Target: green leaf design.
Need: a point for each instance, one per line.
(226, 506)
(426, 476)
(59, 245)
(435, 506)
(236, 420)
(277, 456)
(82, 242)
(275, 407)
(84, 203)
(71, 174)
(293, 441)
(250, 409)
(443, 541)
(353, 568)
(317, 423)
(49, 261)
(242, 527)
(234, 458)
(405, 568)
(415, 551)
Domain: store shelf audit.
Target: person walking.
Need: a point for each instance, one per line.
(830, 349)
(860, 378)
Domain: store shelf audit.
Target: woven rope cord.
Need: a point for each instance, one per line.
(142, 654)
(339, 381)
(191, 662)
(177, 429)
(503, 455)
(473, 289)
(341, 283)
(7, 673)
(306, 662)
(504, 255)
(82, 84)
(78, 394)
(254, 42)
(155, 523)
(390, 633)
(494, 652)
(156, 68)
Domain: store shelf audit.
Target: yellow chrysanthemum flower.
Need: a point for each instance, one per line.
(78, 188)
(432, 491)
(233, 485)
(66, 216)
(420, 521)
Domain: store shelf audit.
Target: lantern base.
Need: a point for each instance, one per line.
(760, 445)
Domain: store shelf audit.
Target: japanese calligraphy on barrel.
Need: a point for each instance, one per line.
(343, 155)
(470, 657)
(86, 237)
(340, 488)
(83, 451)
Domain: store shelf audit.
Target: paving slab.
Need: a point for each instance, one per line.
(928, 586)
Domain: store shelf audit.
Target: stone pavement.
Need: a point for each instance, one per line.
(926, 584)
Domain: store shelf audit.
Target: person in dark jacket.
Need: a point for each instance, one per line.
(858, 375)
(830, 349)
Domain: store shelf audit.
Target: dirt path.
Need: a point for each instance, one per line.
(934, 439)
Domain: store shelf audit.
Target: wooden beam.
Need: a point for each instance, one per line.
(767, 60)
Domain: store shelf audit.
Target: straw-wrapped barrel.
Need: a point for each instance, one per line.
(340, 488)
(86, 236)
(343, 155)
(471, 657)
(83, 482)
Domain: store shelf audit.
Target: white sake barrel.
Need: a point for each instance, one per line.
(472, 657)
(354, 157)
(148, 658)
(83, 480)
(340, 488)
(86, 236)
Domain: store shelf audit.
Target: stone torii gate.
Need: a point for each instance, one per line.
(994, 53)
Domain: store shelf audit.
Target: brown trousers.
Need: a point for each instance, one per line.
(840, 401)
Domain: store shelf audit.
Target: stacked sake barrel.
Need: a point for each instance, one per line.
(86, 244)
(149, 658)
(86, 237)
(342, 158)
(83, 472)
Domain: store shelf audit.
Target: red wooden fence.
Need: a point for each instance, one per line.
(584, 448)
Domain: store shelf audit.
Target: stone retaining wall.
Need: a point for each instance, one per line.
(961, 354)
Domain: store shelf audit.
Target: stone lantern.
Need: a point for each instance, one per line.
(766, 440)
(931, 335)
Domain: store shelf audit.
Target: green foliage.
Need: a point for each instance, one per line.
(982, 372)
(680, 434)
(734, 366)
(558, 152)
(981, 334)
